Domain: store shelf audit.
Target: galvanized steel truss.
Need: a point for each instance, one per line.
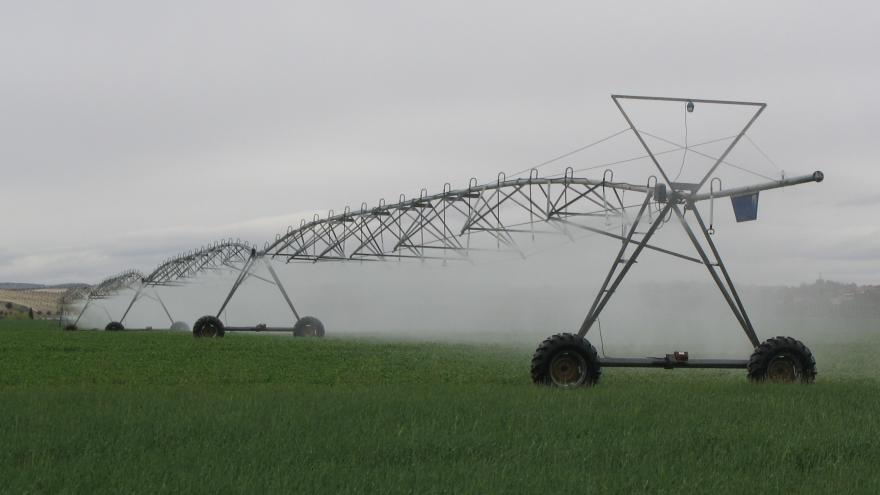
(107, 288)
(440, 226)
(222, 255)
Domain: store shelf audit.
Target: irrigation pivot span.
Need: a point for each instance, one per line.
(107, 288)
(508, 211)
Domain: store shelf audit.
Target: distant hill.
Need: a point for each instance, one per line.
(24, 286)
(43, 299)
(66, 286)
(20, 286)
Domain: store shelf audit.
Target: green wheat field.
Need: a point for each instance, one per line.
(161, 412)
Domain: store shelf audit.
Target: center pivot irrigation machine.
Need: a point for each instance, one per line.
(227, 254)
(440, 226)
(106, 289)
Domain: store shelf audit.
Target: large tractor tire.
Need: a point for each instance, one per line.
(208, 326)
(782, 360)
(308, 326)
(114, 326)
(70, 327)
(567, 361)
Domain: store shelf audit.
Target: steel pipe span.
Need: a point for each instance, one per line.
(436, 225)
(226, 254)
(105, 289)
(219, 255)
(111, 286)
(74, 294)
(426, 225)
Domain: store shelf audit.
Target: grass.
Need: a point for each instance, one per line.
(159, 412)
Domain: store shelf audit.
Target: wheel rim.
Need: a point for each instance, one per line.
(782, 369)
(568, 369)
(209, 331)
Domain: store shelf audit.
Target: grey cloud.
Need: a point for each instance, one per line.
(869, 200)
(132, 131)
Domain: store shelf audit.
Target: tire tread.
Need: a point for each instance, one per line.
(540, 365)
(760, 358)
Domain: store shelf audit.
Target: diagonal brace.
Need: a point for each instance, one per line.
(728, 290)
(606, 292)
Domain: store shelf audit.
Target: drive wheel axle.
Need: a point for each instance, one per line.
(208, 326)
(782, 360)
(308, 326)
(567, 361)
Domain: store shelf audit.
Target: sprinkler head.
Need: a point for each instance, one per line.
(690, 107)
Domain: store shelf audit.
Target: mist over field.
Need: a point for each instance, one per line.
(664, 304)
(148, 129)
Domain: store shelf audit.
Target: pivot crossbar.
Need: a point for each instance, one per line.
(669, 362)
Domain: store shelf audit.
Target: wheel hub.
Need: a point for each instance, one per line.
(568, 369)
(782, 369)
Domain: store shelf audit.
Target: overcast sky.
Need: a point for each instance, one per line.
(130, 131)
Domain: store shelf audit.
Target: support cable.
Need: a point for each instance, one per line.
(642, 157)
(601, 338)
(767, 157)
(706, 155)
(683, 155)
(566, 155)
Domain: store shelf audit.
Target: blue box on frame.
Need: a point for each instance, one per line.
(745, 207)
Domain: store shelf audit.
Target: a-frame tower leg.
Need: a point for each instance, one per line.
(131, 304)
(82, 311)
(714, 265)
(247, 271)
(242, 275)
(615, 276)
(724, 282)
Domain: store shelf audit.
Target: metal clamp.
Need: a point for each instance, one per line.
(606, 180)
(651, 187)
